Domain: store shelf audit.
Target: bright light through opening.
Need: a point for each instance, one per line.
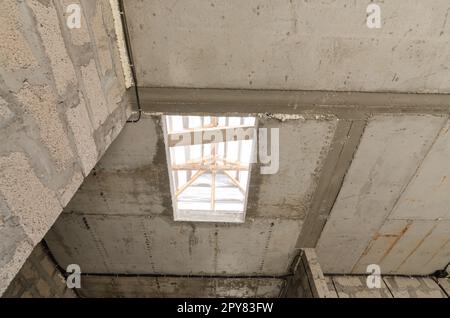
(209, 164)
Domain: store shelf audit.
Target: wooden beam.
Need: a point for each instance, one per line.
(235, 182)
(213, 191)
(187, 150)
(188, 183)
(215, 122)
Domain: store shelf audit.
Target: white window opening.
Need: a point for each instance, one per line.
(209, 166)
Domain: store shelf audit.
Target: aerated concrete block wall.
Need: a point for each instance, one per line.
(62, 102)
(39, 277)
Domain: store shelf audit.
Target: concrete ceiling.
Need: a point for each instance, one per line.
(392, 208)
(285, 44)
(121, 221)
(367, 185)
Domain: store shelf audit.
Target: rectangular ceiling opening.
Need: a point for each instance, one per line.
(209, 166)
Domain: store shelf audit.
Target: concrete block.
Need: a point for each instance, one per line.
(330, 284)
(391, 150)
(52, 39)
(48, 266)
(35, 206)
(39, 277)
(445, 284)
(11, 231)
(79, 36)
(15, 52)
(102, 42)
(16, 259)
(67, 192)
(6, 115)
(27, 294)
(115, 92)
(80, 125)
(356, 287)
(108, 18)
(414, 287)
(29, 272)
(32, 48)
(95, 95)
(43, 288)
(41, 104)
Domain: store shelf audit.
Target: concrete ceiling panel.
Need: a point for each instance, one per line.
(428, 194)
(391, 150)
(304, 144)
(281, 44)
(158, 245)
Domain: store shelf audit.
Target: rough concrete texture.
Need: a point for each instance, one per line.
(392, 209)
(408, 287)
(444, 283)
(356, 287)
(391, 287)
(12, 35)
(39, 278)
(121, 220)
(291, 44)
(182, 287)
(304, 145)
(55, 91)
(308, 280)
(35, 206)
(158, 245)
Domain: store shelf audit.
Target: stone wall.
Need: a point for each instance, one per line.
(39, 277)
(62, 102)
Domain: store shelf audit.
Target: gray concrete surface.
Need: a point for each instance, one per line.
(62, 102)
(392, 287)
(121, 220)
(392, 209)
(364, 142)
(183, 287)
(291, 44)
(307, 280)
